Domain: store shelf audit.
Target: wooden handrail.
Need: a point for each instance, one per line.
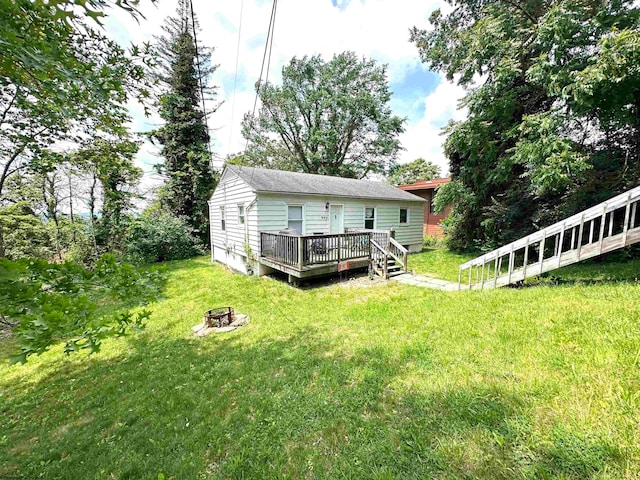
(396, 251)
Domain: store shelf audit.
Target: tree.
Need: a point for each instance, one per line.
(110, 163)
(184, 138)
(329, 118)
(419, 169)
(555, 124)
(60, 81)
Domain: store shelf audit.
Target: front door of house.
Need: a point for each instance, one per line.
(336, 219)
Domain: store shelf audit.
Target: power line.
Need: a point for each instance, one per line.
(268, 45)
(273, 26)
(204, 108)
(235, 78)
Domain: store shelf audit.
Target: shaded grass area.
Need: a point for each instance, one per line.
(388, 381)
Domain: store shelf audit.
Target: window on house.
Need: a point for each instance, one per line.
(222, 219)
(369, 218)
(404, 215)
(432, 205)
(241, 214)
(294, 218)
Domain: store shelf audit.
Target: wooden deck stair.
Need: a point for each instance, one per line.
(605, 227)
(388, 260)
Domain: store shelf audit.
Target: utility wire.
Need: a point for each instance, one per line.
(273, 26)
(235, 78)
(267, 45)
(204, 108)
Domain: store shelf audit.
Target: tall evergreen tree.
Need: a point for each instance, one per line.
(184, 138)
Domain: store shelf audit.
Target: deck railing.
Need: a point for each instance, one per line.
(299, 251)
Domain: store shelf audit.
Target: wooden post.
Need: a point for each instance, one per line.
(602, 222)
(580, 236)
(498, 268)
(560, 242)
(632, 223)
(511, 262)
(591, 223)
(482, 281)
(541, 252)
(627, 212)
(300, 252)
(470, 275)
(526, 259)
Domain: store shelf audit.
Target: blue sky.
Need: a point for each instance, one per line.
(377, 29)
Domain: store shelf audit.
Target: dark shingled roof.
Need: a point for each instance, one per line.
(279, 181)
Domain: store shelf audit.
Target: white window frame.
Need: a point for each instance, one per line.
(375, 217)
(400, 222)
(223, 219)
(242, 217)
(297, 220)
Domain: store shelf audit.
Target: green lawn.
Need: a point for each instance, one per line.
(343, 381)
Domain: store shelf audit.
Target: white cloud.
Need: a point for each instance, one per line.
(425, 138)
(372, 28)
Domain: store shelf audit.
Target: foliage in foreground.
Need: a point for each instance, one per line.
(384, 381)
(46, 302)
(553, 128)
(328, 117)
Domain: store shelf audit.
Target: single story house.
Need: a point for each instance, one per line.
(427, 189)
(294, 222)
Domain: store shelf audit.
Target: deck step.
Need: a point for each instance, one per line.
(603, 228)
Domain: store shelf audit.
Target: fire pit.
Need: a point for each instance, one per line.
(220, 320)
(219, 317)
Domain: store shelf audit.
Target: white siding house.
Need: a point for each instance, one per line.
(250, 200)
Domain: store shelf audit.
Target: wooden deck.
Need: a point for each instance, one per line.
(307, 256)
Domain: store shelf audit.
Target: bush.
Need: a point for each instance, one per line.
(433, 241)
(156, 236)
(22, 233)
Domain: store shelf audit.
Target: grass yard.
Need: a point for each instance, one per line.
(344, 381)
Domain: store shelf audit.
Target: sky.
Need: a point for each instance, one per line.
(377, 29)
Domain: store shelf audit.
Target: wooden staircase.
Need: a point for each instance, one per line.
(609, 226)
(389, 260)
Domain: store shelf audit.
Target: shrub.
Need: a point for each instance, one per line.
(432, 241)
(156, 236)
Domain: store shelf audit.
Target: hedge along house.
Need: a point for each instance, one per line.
(308, 225)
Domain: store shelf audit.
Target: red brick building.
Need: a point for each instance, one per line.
(427, 189)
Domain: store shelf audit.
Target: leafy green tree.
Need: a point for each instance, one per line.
(64, 81)
(184, 138)
(330, 118)
(110, 163)
(419, 169)
(555, 124)
(48, 302)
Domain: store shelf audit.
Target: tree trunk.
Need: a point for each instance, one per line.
(92, 204)
(73, 229)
